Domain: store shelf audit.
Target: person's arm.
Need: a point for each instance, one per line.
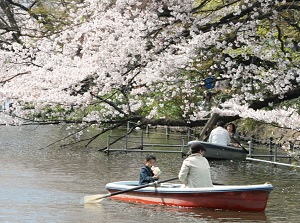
(236, 137)
(146, 176)
(210, 137)
(228, 138)
(208, 179)
(183, 173)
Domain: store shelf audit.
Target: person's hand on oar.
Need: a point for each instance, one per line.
(99, 197)
(240, 145)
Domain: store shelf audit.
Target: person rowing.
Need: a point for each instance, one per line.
(219, 135)
(195, 169)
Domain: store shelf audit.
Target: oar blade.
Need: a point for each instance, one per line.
(92, 199)
(98, 197)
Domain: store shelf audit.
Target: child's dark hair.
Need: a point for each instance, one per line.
(150, 157)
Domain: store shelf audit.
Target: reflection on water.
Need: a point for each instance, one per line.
(48, 185)
(172, 214)
(210, 215)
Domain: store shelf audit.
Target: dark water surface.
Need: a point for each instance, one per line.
(48, 185)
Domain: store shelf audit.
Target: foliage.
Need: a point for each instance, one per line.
(248, 125)
(294, 103)
(113, 61)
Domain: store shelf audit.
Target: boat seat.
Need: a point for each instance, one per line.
(170, 185)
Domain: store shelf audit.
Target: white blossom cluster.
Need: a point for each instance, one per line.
(127, 54)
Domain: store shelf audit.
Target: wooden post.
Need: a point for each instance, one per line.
(142, 140)
(291, 148)
(126, 143)
(209, 126)
(189, 133)
(270, 146)
(275, 154)
(182, 146)
(108, 142)
(250, 146)
(168, 132)
(128, 126)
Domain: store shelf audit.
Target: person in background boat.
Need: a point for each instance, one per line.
(195, 169)
(146, 174)
(219, 135)
(234, 137)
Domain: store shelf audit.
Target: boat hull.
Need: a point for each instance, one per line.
(220, 152)
(239, 198)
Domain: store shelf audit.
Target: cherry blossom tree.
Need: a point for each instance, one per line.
(149, 61)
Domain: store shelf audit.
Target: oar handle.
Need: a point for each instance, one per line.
(163, 181)
(239, 144)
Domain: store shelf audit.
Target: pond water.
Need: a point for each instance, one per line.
(48, 185)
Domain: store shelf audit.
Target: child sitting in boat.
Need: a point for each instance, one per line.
(146, 173)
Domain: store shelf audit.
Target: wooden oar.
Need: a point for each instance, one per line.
(99, 197)
(239, 144)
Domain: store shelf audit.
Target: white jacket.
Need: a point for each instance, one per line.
(195, 172)
(220, 136)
